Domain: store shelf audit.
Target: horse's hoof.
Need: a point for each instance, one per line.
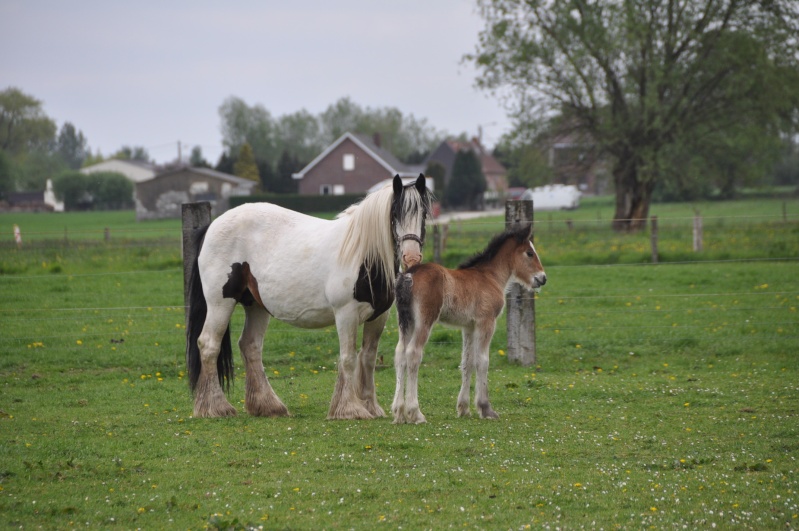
(489, 414)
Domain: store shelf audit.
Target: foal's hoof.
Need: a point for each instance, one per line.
(488, 413)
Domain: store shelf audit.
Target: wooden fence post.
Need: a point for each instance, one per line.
(697, 232)
(519, 302)
(654, 237)
(194, 216)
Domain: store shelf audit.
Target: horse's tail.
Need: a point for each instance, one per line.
(198, 309)
(404, 294)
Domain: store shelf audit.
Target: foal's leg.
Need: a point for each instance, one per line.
(346, 404)
(366, 363)
(483, 333)
(209, 399)
(400, 367)
(467, 364)
(413, 358)
(260, 400)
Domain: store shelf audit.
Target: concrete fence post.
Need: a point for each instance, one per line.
(194, 216)
(519, 302)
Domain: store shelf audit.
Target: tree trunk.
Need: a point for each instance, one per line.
(632, 198)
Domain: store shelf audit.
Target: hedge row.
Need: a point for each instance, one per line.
(301, 203)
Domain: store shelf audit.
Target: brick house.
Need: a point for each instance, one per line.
(351, 165)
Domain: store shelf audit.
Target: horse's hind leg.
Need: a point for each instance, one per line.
(209, 399)
(366, 364)
(467, 365)
(260, 399)
(482, 342)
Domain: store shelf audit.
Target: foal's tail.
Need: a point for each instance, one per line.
(404, 294)
(198, 309)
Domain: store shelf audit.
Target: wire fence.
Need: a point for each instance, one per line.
(566, 311)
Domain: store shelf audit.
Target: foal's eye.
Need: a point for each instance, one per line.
(530, 254)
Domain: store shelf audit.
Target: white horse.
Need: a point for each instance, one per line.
(307, 272)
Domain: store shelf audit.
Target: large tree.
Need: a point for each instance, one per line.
(643, 76)
(23, 124)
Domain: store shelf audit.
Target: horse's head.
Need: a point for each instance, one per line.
(527, 268)
(410, 208)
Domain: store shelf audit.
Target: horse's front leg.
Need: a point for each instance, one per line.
(372, 331)
(260, 399)
(400, 368)
(346, 402)
(483, 333)
(413, 359)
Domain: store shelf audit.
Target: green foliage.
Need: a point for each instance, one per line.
(467, 184)
(96, 191)
(6, 177)
(438, 173)
(71, 146)
(196, 159)
(23, 124)
(304, 135)
(245, 166)
(137, 153)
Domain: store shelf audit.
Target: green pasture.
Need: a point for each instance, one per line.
(664, 396)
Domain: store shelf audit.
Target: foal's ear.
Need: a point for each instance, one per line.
(421, 184)
(525, 231)
(397, 185)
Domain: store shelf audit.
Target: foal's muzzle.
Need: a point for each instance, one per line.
(539, 280)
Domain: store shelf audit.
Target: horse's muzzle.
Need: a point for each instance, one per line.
(539, 280)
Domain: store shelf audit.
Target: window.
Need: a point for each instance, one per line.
(331, 189)
(349, 162)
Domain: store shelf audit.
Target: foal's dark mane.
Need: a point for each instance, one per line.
(520, 233)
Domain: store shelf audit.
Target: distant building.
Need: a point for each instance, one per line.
(495, 173)
(161, 196)
(37, 201)
(351, 165)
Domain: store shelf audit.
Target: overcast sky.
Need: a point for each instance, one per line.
(152, 73)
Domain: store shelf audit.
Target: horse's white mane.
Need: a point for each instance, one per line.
(369, 239)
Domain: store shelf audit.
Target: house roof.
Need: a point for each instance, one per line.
(233, 179)
(488, 163)
(380, 155)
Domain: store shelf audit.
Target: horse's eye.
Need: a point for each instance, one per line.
(530, 254)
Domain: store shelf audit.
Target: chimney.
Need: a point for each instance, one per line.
(377, 139)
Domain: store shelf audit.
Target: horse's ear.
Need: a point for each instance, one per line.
(524, 232)
(421, 184)
(397, 185)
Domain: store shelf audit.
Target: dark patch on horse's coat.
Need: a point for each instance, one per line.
(371, 288)
(242, 286)
(520, 233)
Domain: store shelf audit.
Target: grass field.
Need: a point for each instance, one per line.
(664, 396)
